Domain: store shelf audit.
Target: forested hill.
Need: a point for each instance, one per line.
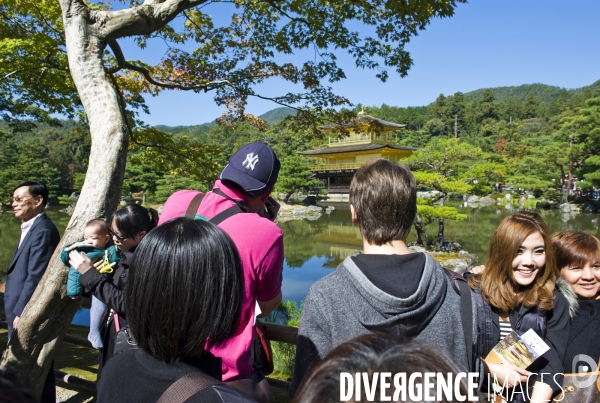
(273, 116)
(545, 93)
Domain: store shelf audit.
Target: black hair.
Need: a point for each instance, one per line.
(371, 353)
(184, 289)
(132, 219)
(35, 189)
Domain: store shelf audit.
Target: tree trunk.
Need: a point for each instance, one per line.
(286, 199)
(440, 237)
(419, 228)
(49, 312)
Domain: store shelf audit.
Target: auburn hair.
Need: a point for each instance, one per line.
(497, 282)
(575, 248)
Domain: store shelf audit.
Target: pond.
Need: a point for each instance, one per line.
(314, 248)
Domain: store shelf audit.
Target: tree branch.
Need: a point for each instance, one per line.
(273, 100)
(144, 19)
(276, 7)
(124, 64)
(123, 111)
(9, 74)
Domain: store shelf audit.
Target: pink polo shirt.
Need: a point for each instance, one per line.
(260, 245)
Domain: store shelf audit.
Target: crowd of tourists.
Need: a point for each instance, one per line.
(176, 299)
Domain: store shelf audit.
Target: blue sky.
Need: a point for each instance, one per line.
(488, 43)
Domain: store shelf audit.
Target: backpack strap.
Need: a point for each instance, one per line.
(485, 324)
(186, 387)
(239, 207)
(194, 204)
(466, 311)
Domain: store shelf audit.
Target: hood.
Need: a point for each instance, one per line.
(382, 312)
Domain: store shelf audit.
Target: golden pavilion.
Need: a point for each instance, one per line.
(368, 138)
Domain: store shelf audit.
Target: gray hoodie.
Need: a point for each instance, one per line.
(345, 304)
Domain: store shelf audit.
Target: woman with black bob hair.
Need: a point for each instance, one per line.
(184, 296)
(127, 226)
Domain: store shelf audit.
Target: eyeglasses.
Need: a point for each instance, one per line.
(20, 200)
(113, 234)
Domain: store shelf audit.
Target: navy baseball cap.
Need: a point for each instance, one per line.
(254, 167)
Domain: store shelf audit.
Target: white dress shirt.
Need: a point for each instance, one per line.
(27, 225)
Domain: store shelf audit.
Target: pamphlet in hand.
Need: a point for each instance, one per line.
(521, 351)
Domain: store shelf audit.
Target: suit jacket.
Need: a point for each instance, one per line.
(28, 266)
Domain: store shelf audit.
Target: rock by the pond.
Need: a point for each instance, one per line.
(457, 265)
(68, 210)
(309, 201)
(417, 248)
(508, 196)
(300, 212)
(565, 208)
(472, 199)
(487, 201)
(428, 195)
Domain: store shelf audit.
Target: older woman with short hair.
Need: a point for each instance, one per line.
(578, 259)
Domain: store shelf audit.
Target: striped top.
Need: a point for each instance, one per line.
(505, 329)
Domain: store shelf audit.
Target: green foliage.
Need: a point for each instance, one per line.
(429, 213)
(48, 157)
(294, 175)
(34, 75)
(66, 200)
(552, 195)
(284, 354)
(170, 184)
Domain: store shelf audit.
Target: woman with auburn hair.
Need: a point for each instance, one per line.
(516, 291)
(578, 259)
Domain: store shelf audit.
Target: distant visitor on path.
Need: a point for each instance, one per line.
(386, 289)
(39, 238)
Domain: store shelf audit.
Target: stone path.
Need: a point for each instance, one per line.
(64, 395)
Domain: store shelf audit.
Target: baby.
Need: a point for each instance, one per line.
(97, 245)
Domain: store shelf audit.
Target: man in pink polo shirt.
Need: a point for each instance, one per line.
(243, 191)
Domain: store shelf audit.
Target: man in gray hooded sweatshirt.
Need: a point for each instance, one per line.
(386, 289)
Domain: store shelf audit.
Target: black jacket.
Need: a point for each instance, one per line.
(583, 335)
(557, 332)
(28, 265)
(112, 294)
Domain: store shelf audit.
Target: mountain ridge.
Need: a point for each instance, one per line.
(544, 92)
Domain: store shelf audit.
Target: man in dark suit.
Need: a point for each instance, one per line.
(39, 238)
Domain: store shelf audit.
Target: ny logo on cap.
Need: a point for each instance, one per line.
(250, 161)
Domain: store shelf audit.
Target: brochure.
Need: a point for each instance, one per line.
(521, 351)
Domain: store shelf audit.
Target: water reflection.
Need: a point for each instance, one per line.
(314, 248)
